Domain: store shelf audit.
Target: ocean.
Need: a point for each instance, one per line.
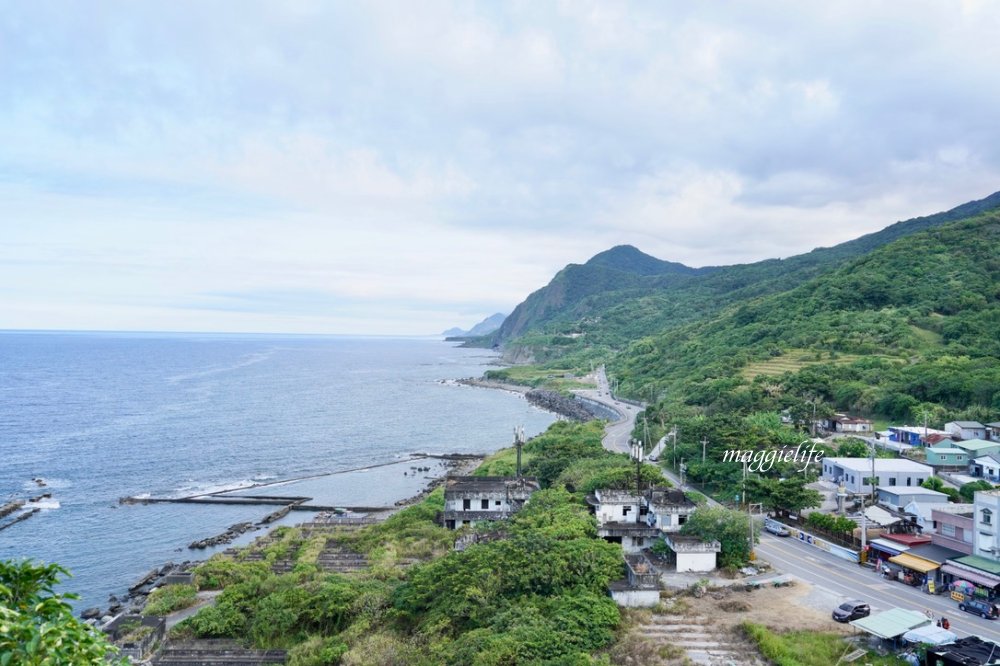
(100, 416)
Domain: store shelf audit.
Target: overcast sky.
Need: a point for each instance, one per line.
(401, 168)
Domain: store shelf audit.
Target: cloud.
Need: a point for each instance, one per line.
(451, 156)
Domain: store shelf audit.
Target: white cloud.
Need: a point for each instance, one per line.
(443, 158)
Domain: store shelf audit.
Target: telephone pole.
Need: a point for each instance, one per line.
(704, 443)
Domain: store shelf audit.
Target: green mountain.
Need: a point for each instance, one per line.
(621, 295)
(912, 326)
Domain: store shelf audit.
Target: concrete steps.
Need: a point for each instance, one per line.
(703, 642)
(215, 653)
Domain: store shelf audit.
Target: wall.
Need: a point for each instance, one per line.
(636, 598)
(823, 544)
(695, 561)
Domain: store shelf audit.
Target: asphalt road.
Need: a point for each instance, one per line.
(617, 434)
(850, 581)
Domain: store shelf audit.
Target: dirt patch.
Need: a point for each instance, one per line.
(778, 608)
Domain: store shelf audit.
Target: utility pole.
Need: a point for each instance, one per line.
(637, 454)
(673, 434)
(750, 507)
(704, 444)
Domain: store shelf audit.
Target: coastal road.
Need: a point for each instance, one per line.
(617, 434)
(847, 581)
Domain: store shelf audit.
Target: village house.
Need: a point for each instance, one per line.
(966, 429)
(952, 526)
(993, 431)
(987, 524)
(914, 436)
(977, 447)
(854, 473)
(898, 497)
(622, 518)
(847, 424)
(945, 456)
(986, 467)
(472, 499)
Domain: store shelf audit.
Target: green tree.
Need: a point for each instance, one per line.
(852, 447)
(783, 496)
(730, 528)
(37, 626)
(968, 491)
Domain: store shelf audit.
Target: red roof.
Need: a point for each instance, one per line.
(935, 438)
(907, 539)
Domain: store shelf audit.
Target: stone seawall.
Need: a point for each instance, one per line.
(557, 403)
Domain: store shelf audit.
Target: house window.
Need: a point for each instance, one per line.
(485, 504)
(681, 519)
(466, 505)
(947, 530)
(986, 517)
(908, 479)
(626, 509)
(498, 502)
(892, 480)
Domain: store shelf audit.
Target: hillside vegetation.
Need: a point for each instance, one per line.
(590, 311)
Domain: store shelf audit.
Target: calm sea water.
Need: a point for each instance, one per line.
(99, 416)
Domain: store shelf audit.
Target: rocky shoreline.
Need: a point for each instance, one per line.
(568, 407)
(134, 600)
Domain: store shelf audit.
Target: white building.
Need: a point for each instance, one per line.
(472, 499)
(899, 496)
(622, 518)
(669, 509)
(966, 429)
(853, 473)
(986, 524)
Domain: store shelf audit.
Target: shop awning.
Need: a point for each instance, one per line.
(908, 561)
(965, 574)
(890, 547)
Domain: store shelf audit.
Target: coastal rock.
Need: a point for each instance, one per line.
(91, 614)
(556, 402)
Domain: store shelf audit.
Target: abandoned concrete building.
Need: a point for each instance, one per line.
(472, 499)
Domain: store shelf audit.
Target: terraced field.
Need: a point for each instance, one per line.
(794, 360)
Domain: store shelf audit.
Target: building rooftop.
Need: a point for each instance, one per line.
(614, 496)
(966, 424)
(949, 449)
(955, 509)
(981, 563)
(920, 430)
(490, 484)
(911, 540)
(669, 497)
(934, 553)
(910, 490)
(987, 459)
(975, 445)
(862, 465)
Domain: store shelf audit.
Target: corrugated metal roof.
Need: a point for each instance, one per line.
(892, 623)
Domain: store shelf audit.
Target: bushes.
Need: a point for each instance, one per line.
(170, 598)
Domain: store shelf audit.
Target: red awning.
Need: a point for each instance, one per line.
(964, 574)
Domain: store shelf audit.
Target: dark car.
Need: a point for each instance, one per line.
(980, 608)
(851, 610)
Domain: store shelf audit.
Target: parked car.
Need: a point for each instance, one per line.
(980, 608)
(777, 529)
(851, 610)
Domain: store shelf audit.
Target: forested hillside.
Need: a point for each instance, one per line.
(911, 327)
(589, 311)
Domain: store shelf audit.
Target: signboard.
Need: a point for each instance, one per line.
(930, 587)
(957, 596)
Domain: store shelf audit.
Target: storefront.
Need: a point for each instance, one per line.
(916, 571)
(880, 550)
(962, 578)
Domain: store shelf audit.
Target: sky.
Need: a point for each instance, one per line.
(404, 167)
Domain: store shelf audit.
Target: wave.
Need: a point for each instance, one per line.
(212, 487)
(248, 360)
(45, 505)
